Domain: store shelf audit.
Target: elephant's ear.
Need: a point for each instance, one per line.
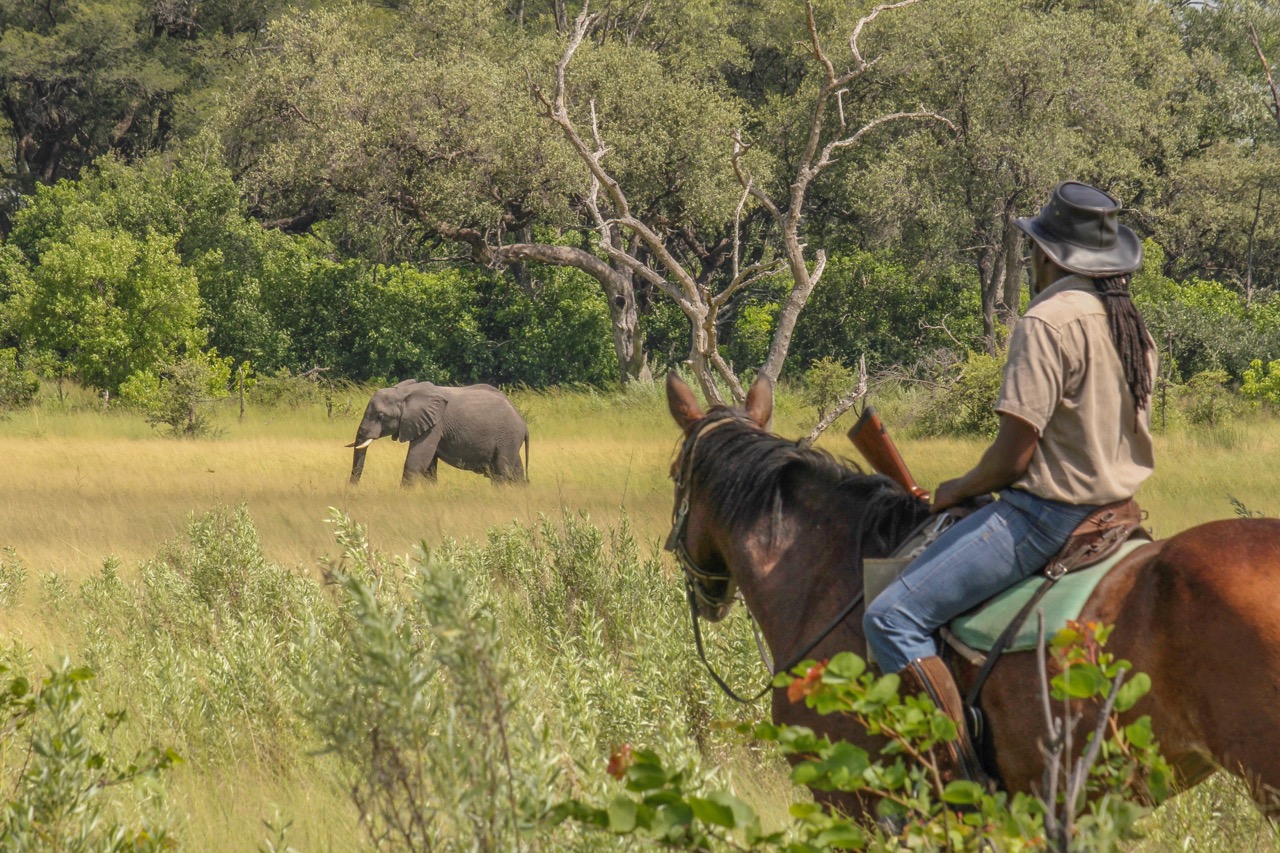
(420, 414)
(406, 382)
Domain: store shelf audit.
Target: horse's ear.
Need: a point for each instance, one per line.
(760, 401)
(680, 400)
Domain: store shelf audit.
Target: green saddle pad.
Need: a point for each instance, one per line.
(980, 628)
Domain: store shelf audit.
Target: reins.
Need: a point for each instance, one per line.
(693, 574)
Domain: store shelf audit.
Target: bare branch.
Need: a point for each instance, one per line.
(837, 144)
(1266, 67)
(740, 148)
(737, 229)
(748, 277)
(858, 61)
(859, 392)
(815, 43)
(942, 326)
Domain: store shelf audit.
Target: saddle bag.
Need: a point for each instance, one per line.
(1097, 537)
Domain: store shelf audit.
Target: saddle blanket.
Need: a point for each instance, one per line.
(978, 629)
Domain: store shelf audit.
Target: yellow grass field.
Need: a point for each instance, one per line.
(81, 486)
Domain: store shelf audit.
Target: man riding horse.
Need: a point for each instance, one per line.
(1074, 436)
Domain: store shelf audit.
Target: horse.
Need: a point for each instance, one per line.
(789, 526)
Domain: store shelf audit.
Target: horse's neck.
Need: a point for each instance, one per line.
(798, 569)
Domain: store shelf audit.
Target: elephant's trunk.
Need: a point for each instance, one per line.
(361, 445)
(357, 461)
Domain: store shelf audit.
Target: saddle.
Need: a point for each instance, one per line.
(981, 635)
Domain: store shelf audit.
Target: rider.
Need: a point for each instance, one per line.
(1074, 435)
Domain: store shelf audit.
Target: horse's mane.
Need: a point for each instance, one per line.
(742, 470)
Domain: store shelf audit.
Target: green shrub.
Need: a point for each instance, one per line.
(1206, 401)
(964, 402)
(60, 777)
(1262, 383)
(13, 577)
(18, 386)
(918, 810)
(286, 390)
(826, 382)
(176, 394)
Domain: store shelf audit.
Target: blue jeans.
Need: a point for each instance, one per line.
(978, 557)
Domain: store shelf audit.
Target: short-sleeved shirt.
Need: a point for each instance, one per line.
(1064, 377)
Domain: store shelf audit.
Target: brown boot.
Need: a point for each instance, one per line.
(958, 759)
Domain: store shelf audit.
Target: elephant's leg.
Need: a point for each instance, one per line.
(420, 461)
(507, 467)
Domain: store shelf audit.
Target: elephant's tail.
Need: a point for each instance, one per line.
(526, 454)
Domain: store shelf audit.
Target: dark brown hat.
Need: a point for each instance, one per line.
(1079, 231)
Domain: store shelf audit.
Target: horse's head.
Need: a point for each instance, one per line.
(693, 537)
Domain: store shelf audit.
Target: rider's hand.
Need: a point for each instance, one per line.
(947, 495)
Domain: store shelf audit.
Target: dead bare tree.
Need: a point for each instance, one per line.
(825, 141)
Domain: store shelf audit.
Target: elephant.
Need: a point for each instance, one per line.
(474, 428)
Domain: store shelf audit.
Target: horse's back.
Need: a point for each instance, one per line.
(1200, 614)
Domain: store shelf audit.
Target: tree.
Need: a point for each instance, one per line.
(108, 304)
(824, 138)
(1220, 217)
(80, 79)
(424, 140)
(1040, 93)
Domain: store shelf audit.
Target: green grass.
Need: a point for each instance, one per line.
(84, 486)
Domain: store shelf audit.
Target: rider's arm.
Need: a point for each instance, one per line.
(1001, 465)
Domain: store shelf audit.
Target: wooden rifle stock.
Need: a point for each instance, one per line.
(873, 442)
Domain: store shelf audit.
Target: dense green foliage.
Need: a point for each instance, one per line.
(458, 695)
(370, 188)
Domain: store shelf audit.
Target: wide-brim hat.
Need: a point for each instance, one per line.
(1079, 230)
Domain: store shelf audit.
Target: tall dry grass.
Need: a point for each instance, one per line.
(83, 486)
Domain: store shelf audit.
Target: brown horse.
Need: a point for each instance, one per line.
(789, 526)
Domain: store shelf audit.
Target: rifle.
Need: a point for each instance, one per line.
(873, 442)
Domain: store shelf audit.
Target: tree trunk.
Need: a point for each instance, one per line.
(990, 291)
(618, 286)
(1013, 269)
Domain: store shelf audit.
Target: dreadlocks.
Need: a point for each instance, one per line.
(1129, 334)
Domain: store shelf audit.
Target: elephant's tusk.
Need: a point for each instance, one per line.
(367, 442)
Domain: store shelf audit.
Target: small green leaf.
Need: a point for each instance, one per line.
(962, 792)
(743, 814)
(1139, 733)
(884, 690)
(622, 816)
(712, 812)
(645, 777)
(846, 665)
(1131, 691)
(842, 836)
(1081, 681)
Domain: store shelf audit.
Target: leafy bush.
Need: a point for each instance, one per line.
(175, 394)
(60, 778)
(1262, 383)
(918, 811)
(826, 382)
(416, 698)
(963, 402)
(874, 304)
(1206, 401)
(1202, 325)
(13, 576)
(18, 386)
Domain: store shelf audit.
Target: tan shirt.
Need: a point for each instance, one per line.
(1064, 378)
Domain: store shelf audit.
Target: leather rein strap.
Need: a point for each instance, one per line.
(695, 594)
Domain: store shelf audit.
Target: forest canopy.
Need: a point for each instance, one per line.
(537, 192)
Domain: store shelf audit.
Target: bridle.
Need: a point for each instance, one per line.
(697, 579)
